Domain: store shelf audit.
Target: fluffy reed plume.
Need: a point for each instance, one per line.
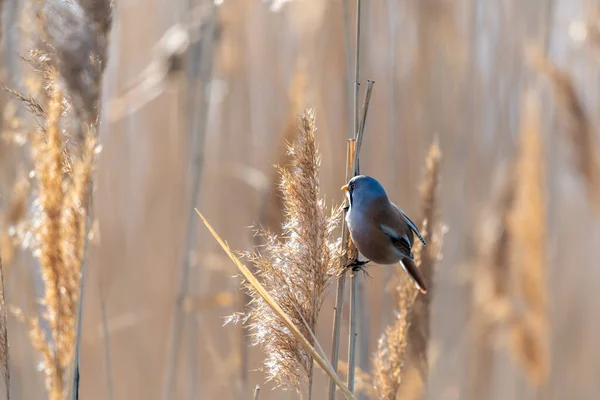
(490, 288)
(75, 40)
(295, 269)
(575, 121)
(61, 235)
(419, 331)
(389, 356)
(410, 329)
(509, 279)
(15, 225)
(4, 356)
(529, 328)
(363, 383)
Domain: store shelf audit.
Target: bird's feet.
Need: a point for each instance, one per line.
(357, 265)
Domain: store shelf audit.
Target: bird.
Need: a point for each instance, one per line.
(381, 231)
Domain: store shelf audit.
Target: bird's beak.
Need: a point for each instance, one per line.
(345, 187)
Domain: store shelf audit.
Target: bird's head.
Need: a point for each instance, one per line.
(364, 189)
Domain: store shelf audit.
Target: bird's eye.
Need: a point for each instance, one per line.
(352, 186)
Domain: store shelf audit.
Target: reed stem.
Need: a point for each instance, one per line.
(354, 300)
(197, 130)
(84, 267)
(355, 167)
(341, 283)
(256, 392)
(107, 355)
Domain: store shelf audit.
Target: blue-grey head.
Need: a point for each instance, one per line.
(363, 189)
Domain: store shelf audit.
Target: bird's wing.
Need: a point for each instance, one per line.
(401, 243)
(411, 224)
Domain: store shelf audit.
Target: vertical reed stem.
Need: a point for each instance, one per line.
(339, 300)
(106, 334)
(74, 389)
(354, 300)
(352, 334)
(197, 129)
(352, 341)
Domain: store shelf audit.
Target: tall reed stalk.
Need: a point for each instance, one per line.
(4, 355)
(352, 154)
(199, 107)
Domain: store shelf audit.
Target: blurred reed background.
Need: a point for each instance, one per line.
(202, 94)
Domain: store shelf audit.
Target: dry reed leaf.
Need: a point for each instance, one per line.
(323, 363)
(527, 225)
(575, 122)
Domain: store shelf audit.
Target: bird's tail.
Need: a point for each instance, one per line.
(411, 269)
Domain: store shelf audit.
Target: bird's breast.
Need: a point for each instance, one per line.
(371, 241)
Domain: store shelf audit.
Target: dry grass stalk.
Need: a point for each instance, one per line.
(357, 309)
(297, 268)
(529, 328)
(61, 241)
(287, 322)
(256, 392)
(390, 357)
(576, 123)
(4, 355)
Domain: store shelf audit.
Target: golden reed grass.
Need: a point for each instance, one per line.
(527, 226)
(68, 60)
(61, 236)
(575, 121)
(391, 354)
(296, 268)
(266, 296)
(509, 283)
(490, 288)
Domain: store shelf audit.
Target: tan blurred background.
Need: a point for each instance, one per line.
(451, 69)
